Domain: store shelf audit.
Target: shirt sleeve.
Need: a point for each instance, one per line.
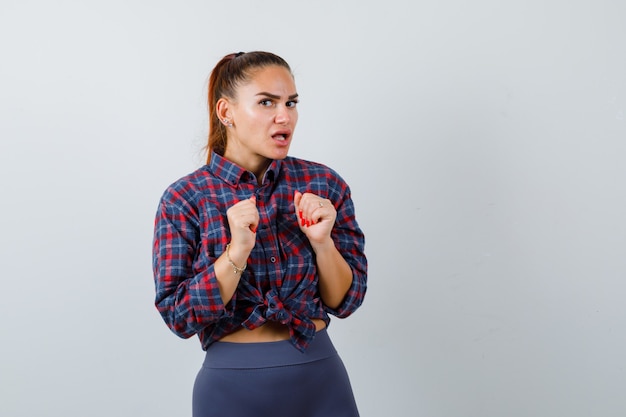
(350, 242)
(188, 299)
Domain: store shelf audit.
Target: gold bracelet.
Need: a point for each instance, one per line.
(236, 269)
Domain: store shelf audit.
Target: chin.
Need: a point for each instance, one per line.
(281, 154)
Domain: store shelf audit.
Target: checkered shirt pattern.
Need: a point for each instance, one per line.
(280, 281)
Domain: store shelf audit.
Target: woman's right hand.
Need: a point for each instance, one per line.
(243, 219)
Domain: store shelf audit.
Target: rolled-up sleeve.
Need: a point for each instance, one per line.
(187, 299)
(350, 242)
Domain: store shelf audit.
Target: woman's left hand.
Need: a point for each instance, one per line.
(315, 215)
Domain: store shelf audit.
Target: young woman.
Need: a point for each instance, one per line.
(254, 250)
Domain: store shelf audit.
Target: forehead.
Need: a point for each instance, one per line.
(272, 79)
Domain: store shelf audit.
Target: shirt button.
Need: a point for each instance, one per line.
(272, 259)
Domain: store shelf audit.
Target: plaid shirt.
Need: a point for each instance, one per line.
(280, 281)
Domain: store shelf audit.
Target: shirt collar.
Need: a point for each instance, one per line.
(233, 174)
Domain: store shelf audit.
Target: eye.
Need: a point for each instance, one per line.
(292, 103)
(266, 102)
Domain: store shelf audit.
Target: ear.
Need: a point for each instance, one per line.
(222, 109)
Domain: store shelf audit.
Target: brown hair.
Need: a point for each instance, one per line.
(230, 72)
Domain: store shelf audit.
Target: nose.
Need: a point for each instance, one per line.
(282, 115)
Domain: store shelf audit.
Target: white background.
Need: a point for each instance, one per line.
(484, 142)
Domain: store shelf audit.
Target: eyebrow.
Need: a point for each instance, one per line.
(275, 97)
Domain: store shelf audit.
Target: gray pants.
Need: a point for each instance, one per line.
(273, 379)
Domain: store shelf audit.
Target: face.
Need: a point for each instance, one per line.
(263, 116)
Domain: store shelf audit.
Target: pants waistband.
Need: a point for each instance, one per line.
(267, 354)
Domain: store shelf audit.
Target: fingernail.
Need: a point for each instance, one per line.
(303, 222)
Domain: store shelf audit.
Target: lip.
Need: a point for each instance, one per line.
(284, 132)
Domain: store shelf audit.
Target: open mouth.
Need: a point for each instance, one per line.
(280, 136)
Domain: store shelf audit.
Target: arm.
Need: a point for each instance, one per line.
(339, 250)
(334, 273)
(189, 297)
(243, 219)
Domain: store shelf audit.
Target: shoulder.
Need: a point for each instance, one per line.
(302, 167)
(314, 177)
(187, 187)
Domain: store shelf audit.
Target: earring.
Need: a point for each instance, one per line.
(227, 123)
